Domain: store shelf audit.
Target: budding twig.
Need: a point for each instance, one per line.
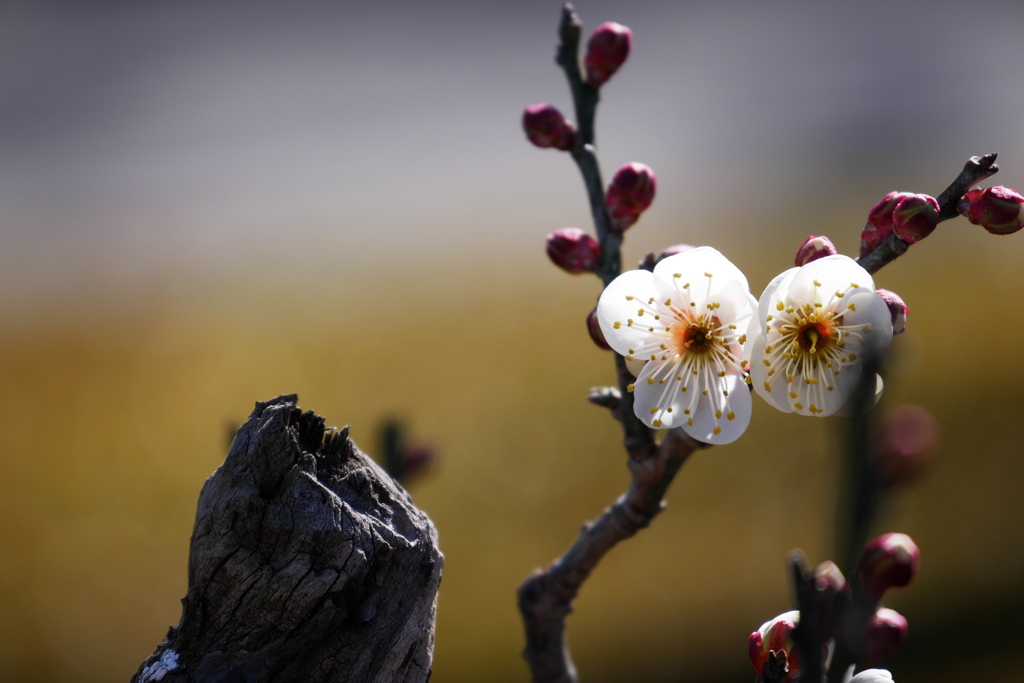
(975, 170)
(808, 633)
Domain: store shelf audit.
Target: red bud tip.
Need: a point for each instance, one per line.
(573, 250)
(883, 634)
(594, 328)
(546, 127)
(998, 209)
(774, 635)
(915, 217)
(629, 194)
(897, 309)
(813, 249)
(879, 225)
(889, 561)
(906, 441)
(607, 49)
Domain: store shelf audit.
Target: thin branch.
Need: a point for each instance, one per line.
(975, 170)
(546, 597)
(808, 633)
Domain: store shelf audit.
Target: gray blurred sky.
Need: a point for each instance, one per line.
(149, 139)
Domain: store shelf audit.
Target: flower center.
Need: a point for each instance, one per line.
(697, 336)
(815, 336)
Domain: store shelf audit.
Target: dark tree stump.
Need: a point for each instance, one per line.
(307, 563)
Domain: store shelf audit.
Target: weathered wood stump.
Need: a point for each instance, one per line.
(307, 563)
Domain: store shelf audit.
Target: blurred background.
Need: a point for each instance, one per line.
(207, 204)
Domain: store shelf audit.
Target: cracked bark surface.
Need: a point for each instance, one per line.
(307, 563)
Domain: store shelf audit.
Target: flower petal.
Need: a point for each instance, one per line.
(617, 310)
(772, 389)
(735, 414)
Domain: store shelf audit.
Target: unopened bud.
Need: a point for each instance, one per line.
(418, 458)
(607, 49)
(651, 259)
(998, 209)
(879, 226)
(831, 589)
(573, 250)
(872, 676)
(915, 217)
(594, 328)
(898, 310)
(883, 634)
(813, 249)
(889, 561)
(546, 127)
(906, 440)
(629, 194)
(774, 635)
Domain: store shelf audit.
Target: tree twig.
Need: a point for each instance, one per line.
(975, 170)
(546, 597)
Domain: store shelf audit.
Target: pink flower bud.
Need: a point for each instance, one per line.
(889, 561)
(813, 249)
(607, 49)
(883, 634)
(915, 217)
(879, 225)
(897, 309)
(546, 127)
(629, 194)
(573, 250)
(594, 328)
(906, 441)
(775, 634)
(998, 209)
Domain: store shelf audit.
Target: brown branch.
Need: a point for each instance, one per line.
(975, 170)
(307, 563)
(546, 597)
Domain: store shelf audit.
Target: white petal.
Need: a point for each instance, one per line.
(838, 272)
(872, 676)
(738, 404)
(614, 307)
(694, 263)
(658, 395)
(635, 366)
(846, 410)
(869, 309)
(766, 304)
(775, 392)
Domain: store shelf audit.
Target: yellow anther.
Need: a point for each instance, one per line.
(650, 380)
(771, 372)
(793, 394)
(629, 358)
(663, 346)
(686, 411)
(721, 373)
(767, 363)
(686, 286)
(650, 301)
(718, 414)
(629, 298)
(743, 339)
(817, 284)
(629, 388)
(732, 327)
(669, 410)
(694, 371)
(677, 274)
(767, 387)
(704, 393)
(831, 388)
(654, 357)
(693, 303)
(685, 389)
(852, 306)
(839, 294)
(640, 311)
(855, 285)
(650, 329)
(657, 317)
(798, 405)
(616, 325)
(668, 302)
(661, 381)
(749, 381)
(707, 274)
(689, 422)
(780, 306)
(656, 423)
(810, 380)
(679, 378)
(654, 410)
(768, 349)
(725, 392)
(730, 416)
(632, 351)
(769, 318)
(629, 322)
(853, 356)
(789, 378)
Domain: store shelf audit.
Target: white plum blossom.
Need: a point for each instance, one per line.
(869, 676)
(686, 322)
(813, 327)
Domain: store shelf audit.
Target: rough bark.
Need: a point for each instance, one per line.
(307, 563)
